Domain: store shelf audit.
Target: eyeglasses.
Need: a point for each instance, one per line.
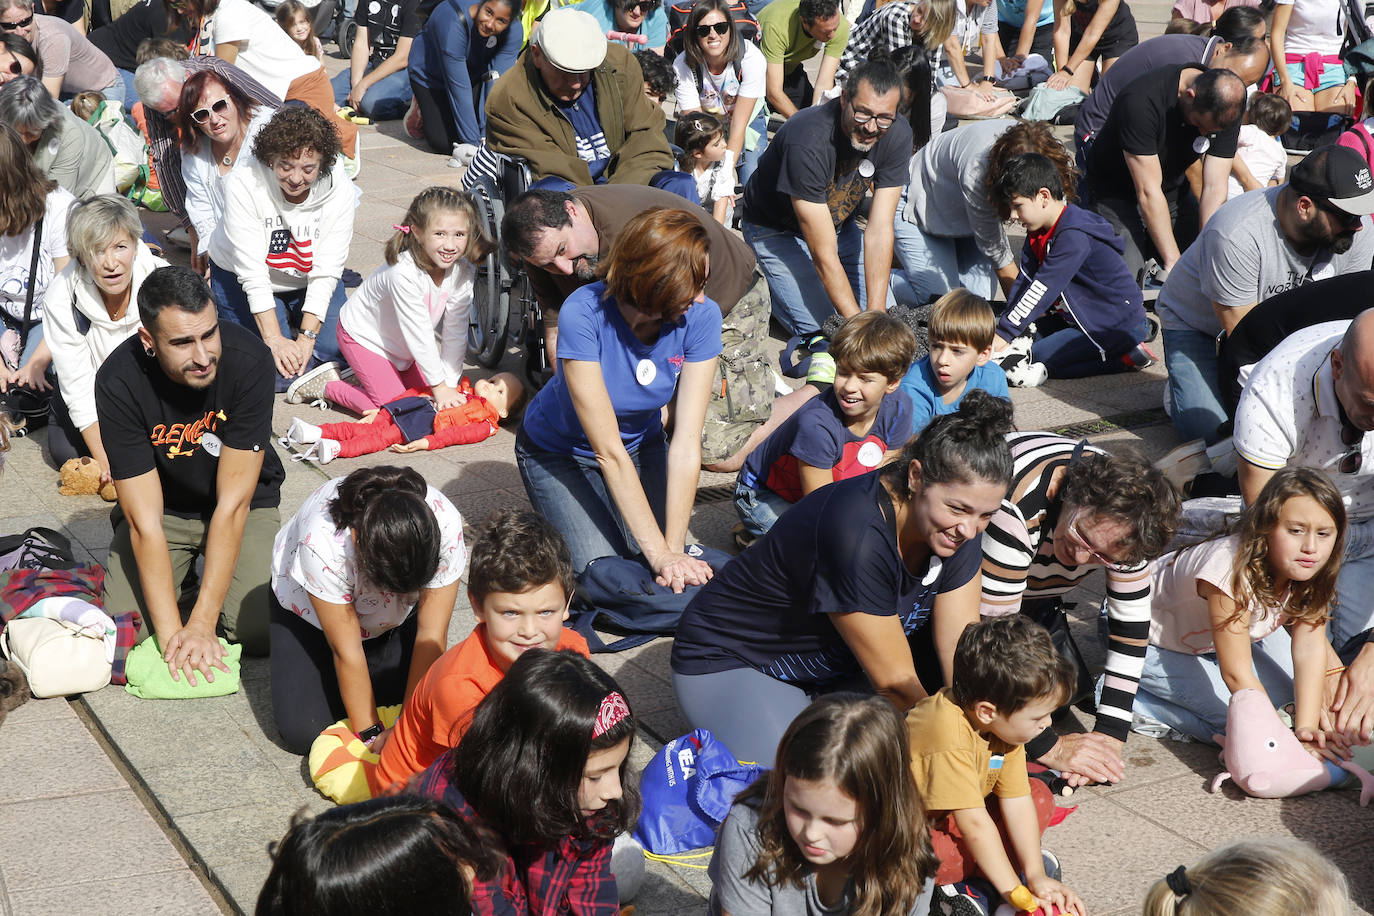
(720, 28)
(863, 117)
(201, 115)
(21, 24)
(1079, 541)
(1353, 457)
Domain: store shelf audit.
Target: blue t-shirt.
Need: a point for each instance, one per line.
(816, 435)
(654, 27)
(640, 378)
(591, 139)
(1013, 12)
(834, 552)
(927, 402)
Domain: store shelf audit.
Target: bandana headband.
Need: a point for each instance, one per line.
(613, 711)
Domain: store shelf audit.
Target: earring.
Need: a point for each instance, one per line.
(148, 350)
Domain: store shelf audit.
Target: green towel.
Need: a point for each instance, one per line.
(150, 679)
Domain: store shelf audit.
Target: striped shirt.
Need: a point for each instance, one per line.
(1019, 562)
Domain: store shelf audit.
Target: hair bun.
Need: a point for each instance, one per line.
(986, 411)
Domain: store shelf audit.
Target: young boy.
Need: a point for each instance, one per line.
(520, 584)
(966, 746)
(857, 425)
(1261, 161)
(962, 326)
(1073, 283)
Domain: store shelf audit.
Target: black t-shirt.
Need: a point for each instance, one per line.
(1145, 57)
(1146, 120)
(387, 22)
(121, 38)
(148, 422)
(810, 159)
(833, 552)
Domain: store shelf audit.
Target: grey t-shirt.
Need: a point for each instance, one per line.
(737, 850)
(1242, 258)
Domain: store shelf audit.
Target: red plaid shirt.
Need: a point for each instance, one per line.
(572, 877)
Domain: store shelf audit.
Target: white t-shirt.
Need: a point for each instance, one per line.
(1316, 25)
(16, 253)
(1180, 621)
(719, 91)
(1262, 154)
(312, 557)
(398, 310)
(266, 52)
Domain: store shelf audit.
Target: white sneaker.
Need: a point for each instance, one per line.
(1022, 373)
(1184, 463)
(1019, 346)
(303, 433)
(321, 452)
(309, 387)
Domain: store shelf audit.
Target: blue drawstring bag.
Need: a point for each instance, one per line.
(687, 790)
(620, 596)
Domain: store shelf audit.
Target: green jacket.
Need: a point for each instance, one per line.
(522, 121)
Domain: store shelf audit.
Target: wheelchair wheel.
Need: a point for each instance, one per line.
(346, 32)
(490, 291)
(537, 368)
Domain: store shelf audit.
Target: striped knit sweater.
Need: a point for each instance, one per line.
(1019, 562)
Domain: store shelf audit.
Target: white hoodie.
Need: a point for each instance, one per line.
(77, 356)
(275, 246)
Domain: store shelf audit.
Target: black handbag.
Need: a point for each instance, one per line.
(1049, 613)
(25, 405)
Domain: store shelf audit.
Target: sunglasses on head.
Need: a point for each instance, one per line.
(720, 28)
(201, 115)
(21, 24)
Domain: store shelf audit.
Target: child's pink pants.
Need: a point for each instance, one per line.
(379, 382)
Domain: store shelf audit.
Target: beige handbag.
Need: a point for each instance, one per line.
(59, 658)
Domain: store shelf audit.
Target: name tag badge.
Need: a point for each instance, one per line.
(1201, 145)
(210, 442)
(491, 42)
(870, 454)
(646, 372)
(867, 169)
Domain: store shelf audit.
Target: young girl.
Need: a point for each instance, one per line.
(387, 328)
(701, 137)
(295, 21)
(396, 855)
(1264, 877)
(1249, 610)
(544, 766)
(836, 827)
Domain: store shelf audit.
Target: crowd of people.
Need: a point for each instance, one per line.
(882, 641)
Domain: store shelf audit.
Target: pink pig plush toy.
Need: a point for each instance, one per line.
(1262, 756)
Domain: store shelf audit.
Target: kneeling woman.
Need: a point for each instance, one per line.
(592, 451)
(866, 584)
(364, 578)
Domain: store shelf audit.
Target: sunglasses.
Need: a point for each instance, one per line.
(16, 67)
(1353, 457)
(1077, 537)
(644, 6)
(201, 115)
(720, 28)
(1340, 216)
(21, 24)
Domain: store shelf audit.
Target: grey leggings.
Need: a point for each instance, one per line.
(744, 708)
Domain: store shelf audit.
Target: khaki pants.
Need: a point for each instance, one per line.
(245, 611)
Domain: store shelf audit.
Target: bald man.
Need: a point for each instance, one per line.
(1310, 403)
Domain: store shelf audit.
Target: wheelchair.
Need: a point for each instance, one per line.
(501, 287)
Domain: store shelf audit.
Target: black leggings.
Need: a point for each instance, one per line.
(64, 439)
(305, 687)
(441, 131)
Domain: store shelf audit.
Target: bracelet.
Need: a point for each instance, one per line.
(1067, 69)
(1332, 671)
(311, 335)
(1022, 898)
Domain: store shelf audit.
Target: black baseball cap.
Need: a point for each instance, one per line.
(1338, 175)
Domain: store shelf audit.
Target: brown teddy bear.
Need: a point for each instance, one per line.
(81, 477)
(14, 687)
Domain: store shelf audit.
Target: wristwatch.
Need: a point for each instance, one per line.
(370, 734)
(312, 335)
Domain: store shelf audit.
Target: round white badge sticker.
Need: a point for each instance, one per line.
(867, 169)
(870, 454)
(210, 442)
(646, 372)
(491, 42)
(1200, 145)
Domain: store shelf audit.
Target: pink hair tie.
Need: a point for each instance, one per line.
(405, 229)
(613, 711)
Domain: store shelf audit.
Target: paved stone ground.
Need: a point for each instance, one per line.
(210, 773)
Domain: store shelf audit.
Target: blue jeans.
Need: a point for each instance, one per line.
(749, 159)
(1069, 353)
(388, 99)
(758, 509)
(1186, 692)
(1194, 399)
(232, 303)
(800, 302)
(129, 91)
(570, 491)
(1353, 613)
(933, 265)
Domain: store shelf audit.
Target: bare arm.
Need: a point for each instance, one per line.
(952, 613)
(1148, 176)
(954, 51)
(819, 232)
(878, 241)
(357, 61)
(396, 62)
(778, 101)
(1215, 171)
(825, 78)
(884, 654)
(227, 51)
(434, 611)
(1252, 480)
(339, 622)
(1232, 639)
(91, 436)
(684, 451)
(1230, 316)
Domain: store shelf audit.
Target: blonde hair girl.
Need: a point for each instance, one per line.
(1263, 877)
